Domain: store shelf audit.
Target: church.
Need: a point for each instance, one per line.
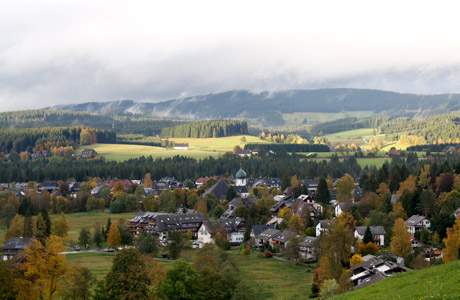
(240, 183)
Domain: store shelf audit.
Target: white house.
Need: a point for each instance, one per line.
(206, 233)
(417, 223)
(322, 226)
(307, 248)
(378, 234)
(181, 146)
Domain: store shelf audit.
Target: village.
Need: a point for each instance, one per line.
(291, 227)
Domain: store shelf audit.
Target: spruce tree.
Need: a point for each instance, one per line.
(322, 193)
(367, 235)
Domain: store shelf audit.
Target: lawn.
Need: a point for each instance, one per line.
(98, 263)
(224, 144)
(278, 280)
(89, 219)
(198, 148)
(2, 234)
(121, 152)
(439, 282)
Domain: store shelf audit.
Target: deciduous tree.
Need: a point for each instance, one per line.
(345, 185)
(181, 282)
(61, 226)
(400, 242)
(43, 268)
(356, 260)
(450, 252)
(113, 236)
(16, 229)
(76, 284)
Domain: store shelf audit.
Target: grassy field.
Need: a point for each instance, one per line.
(198, 148)
(278, 280)
(98, 263)
(439, 282)
(89, 219)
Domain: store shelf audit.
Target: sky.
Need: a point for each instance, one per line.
(62, 51)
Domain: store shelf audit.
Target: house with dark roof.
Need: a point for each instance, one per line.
(263, 239)
(378, 234)
(322, 226)
(305, 205)
(258, 229)
(244, 153)
(88, 153)
(160, 223)
(374, 270)
(233, 228)
(416, 223)
(282, 237)
(219, 189)
(308, 247)
(49, 186)
(14, 246)
(233, 205)
(181, 146)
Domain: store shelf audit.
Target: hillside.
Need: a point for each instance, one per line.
(438, 282)
(264, 105)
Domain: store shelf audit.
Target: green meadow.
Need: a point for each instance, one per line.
(198, 148)
(276, 279)
(438, 282)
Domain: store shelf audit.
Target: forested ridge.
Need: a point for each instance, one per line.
(439, 129)
(43, 138)
(242, 103)
(206, 129)
(119, 124)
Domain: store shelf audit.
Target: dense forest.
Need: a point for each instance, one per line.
(119, 124)
(347, 124)
(206, 129)
(439, 129)
(182, 168)
(43, 138)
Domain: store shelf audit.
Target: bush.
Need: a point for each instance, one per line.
(268, 254)
(247, 250)
(226, 245)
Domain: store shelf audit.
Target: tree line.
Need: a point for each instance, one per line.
(182, 168)
(206, 129)
(45, 138)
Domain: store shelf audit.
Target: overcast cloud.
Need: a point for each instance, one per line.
(62, 51)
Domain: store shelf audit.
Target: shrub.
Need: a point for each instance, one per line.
(247, 250)
(268, 254)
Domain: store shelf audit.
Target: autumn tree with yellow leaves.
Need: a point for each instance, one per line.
(400, 242)
(114, 236)
(42, 270)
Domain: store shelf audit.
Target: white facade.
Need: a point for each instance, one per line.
(379, 237)
(204, 236)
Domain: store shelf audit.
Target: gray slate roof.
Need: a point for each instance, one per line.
(375, 230)
(308, 241)
(17, 243)
(414, 220)
(219, 189)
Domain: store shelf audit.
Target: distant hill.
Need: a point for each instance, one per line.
(246, 104)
